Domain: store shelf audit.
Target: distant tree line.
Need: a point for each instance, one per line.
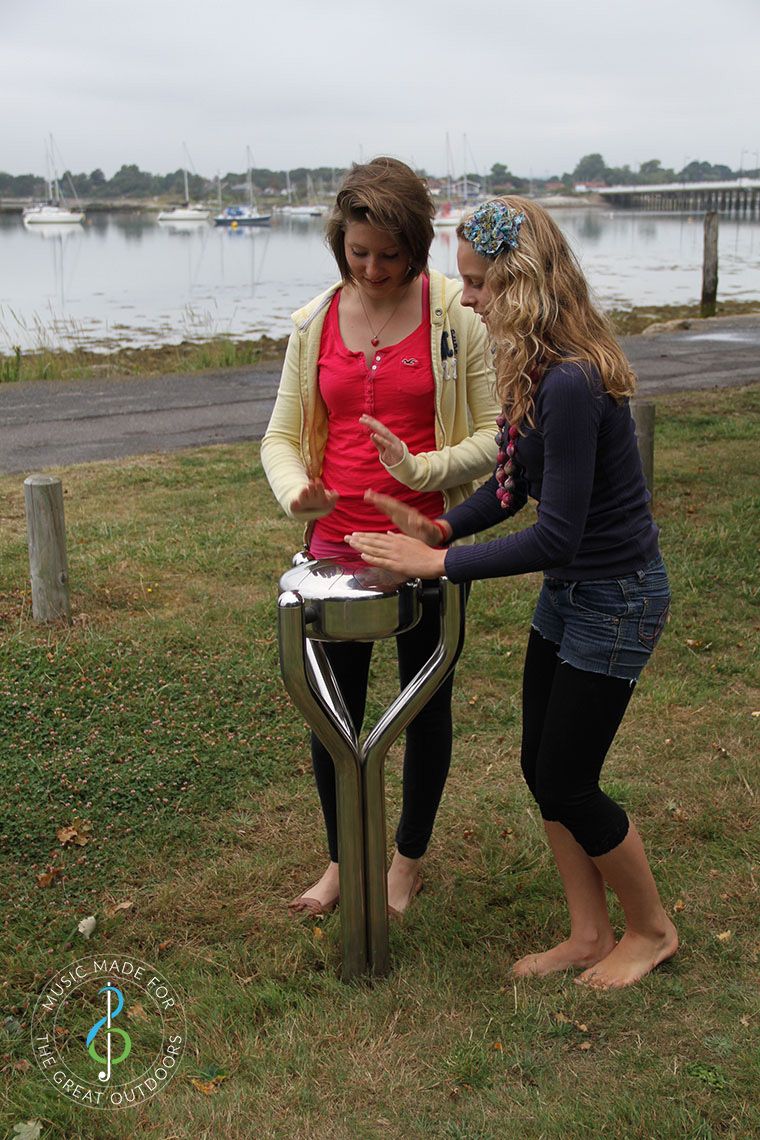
(131, 182)
(593, 169)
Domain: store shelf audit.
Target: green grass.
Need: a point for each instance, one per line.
(159, 717)
(46, 363)
(216, 352)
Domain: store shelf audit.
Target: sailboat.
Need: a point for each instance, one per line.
(451, 214)
(249, 215)
(312, 210)
(186, 213)
(55, 210)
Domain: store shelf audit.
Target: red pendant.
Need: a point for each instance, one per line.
(374, 341)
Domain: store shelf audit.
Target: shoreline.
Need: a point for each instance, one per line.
(221, 353)
(15, 206)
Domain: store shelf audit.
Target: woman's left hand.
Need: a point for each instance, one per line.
(389, 446)
(399, 552)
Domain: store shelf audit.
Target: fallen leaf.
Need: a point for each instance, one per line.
(47, 878)
(60, 1031)
(498, 1046)
(112, 910)
(78, 832)
(318, 932)
(679, 905)
(22, 1066)
(561, 1019)
(584, 1046)
(581, 1027)
(137, 1012)
(208, 1088)
(165, 945)
(87, 926)
(27, 1130)
(725, 936)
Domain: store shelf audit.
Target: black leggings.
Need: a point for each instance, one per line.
(427, 755)
(570, 717)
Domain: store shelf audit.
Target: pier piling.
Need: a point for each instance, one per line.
(710, 265)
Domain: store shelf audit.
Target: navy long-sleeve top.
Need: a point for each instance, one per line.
(581, 463)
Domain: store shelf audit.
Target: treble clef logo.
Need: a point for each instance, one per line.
(108, 1060)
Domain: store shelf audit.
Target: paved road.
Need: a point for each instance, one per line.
(45, 424)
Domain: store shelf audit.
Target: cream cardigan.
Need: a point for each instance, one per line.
(465, 409)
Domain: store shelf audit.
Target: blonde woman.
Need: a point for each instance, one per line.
(567, 440)
(385, 388)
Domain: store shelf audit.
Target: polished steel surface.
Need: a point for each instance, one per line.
(361, 604)
(310, 681)
(358, 768)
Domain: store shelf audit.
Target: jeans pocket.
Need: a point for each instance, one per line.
(652, 620)
(603, 600)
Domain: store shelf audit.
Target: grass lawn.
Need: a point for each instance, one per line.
(157, 725)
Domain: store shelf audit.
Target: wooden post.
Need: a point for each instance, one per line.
(643, 418)
(46, 532)
(710, 266)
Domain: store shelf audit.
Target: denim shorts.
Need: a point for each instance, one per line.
(606, 625)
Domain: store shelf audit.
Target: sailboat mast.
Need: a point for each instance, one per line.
(249, 176)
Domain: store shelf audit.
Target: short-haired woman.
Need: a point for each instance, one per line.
(567, 439)
(385, 389)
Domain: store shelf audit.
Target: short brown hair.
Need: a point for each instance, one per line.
(388, 195)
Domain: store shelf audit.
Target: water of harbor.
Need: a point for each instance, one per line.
(125, 280)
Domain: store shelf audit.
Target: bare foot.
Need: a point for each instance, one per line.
(404, 883)
(635, 956)
(322, 897)
(572, 952)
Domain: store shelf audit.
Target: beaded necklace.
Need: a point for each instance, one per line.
(506, 460)
(506, 438)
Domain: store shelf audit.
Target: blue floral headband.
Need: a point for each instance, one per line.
(492, 228)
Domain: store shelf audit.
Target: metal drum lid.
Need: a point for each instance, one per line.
(362, 603)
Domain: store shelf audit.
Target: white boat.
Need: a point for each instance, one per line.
(51, 213)
(56, 210)
(187, 212)
(302, 211)
(249, 215)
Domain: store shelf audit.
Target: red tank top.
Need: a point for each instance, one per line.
(399, 390)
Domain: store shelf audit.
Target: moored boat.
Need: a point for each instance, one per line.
(186, 212)
(242, 216)
(238, 215)
(51, 213)
(56, 209)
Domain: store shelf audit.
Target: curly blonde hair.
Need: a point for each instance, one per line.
(540, 314)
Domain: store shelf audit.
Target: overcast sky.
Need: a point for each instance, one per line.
(535, 84)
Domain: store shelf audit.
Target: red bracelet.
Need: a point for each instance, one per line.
(445, 536)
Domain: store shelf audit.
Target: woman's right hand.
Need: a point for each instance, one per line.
(313, 501)
(408, 520)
